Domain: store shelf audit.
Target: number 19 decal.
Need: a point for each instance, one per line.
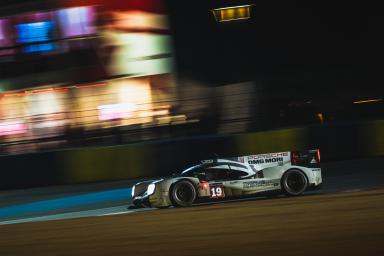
(217, 190)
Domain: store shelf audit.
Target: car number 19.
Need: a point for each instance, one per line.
(217, 191)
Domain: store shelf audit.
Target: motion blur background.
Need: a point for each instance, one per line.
(80, 74)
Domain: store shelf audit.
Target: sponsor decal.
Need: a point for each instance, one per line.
(266, 160)
(274, 160)
(257, 183)
(258, 161)
(271, 155)
(313, 161)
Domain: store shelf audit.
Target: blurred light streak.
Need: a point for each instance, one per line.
(139, 20)
(124, 50)
(66, 202)
(20, 94)
(77, 21)
(366, 101)
(320, 116)
(34, 32)
(88, 85)
(139, 54)
(116, 111)
(44, 91)
(5, 40)
(12, 127)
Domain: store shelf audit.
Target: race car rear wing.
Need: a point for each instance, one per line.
(307, 158)
(310, 158)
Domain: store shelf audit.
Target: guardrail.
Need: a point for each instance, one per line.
(149, 159)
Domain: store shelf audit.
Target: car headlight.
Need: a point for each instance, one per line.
(133, 191)
(151, 189)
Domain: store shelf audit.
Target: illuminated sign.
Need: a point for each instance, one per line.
(232, 13)
(36, 32)
(77, 21)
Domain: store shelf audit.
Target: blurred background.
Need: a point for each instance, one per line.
(74, 72)
(82, 73)
(105, 93)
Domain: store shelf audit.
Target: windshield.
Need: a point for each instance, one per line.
(190, 171)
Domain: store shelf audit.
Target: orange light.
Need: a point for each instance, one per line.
(88, 86)
(321, 117)
(318, 155)
(14, 94)
(205, 185)
(61, 89)
(49, 91)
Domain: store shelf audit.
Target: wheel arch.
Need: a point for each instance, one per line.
(307, 171)
(294, 168)
(174, 182)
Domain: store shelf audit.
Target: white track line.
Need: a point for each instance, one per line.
(126, 212)
(114, 213)
(352, 190)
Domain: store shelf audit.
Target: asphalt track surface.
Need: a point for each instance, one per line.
(345, 217)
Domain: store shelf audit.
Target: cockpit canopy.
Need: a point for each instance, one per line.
(219, 171)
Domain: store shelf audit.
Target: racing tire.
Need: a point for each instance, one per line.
(183, 193)
(294, 182)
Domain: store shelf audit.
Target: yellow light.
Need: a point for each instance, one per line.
(232, 13)
(321, 117)
(366, 101)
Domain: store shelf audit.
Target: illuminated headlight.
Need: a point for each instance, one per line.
(151, 189)
(133, 191)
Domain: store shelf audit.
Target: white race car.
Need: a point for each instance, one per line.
(289, 172)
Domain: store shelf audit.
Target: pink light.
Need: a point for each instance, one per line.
(5, 37)
(77, 21)
(116, 111)
(11, 128)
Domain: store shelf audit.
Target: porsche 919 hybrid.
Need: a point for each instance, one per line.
(289, 172)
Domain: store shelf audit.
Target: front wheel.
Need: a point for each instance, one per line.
(294, 182)
(183, 193)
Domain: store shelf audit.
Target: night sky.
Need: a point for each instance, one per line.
(333, 46)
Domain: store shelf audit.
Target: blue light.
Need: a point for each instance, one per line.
(47, 47)
(36, 32)
(66, 202)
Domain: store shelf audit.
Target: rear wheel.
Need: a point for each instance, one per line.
(294, 182)
(183, 193)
